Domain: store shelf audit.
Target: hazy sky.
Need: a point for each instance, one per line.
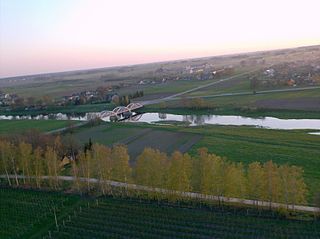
(39, 36)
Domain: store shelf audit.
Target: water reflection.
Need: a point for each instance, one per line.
(192, 120)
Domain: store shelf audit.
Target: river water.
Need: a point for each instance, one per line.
(192, 120)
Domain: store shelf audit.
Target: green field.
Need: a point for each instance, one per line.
(285, 104)
(248, 144)
(30, 214)
(72, 109)
(239, 144)
(19, 126)
(137, 137)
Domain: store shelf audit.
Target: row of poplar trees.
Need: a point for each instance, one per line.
(204, 173)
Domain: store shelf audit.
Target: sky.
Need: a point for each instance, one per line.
(39, 36)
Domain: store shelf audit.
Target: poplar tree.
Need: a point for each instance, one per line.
(235, 181)
(75, 174)
(219, 168)
(256, 183)
(5, 160)
(293, 188)
(25, 156)
(150, 170)
(53, 167)
(85, 169)
(121, 170)
(38, 166)
(103, 166)
(272, 179)
(179, 173)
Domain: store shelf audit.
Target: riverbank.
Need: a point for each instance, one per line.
(71, 109)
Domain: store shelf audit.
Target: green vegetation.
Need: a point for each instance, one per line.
(30, 214)
(19, 126)
(137, 137)
(26, 164)
(118, 218)
(238, 144)
(248, 144)
(26, 213)
(71, 109)
(298, 104)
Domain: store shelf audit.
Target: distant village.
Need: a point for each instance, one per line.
(290, 74)
(100, 95)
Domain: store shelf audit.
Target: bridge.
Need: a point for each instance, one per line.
(116, 113)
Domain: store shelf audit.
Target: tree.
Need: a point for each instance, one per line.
(272, 179)
(75, 174)
(38, 166)
(25, 158)
(85, 168)
(219, 166)
(103, 166)
(179, 174)
(212, 174)
(293, 189)
(256, 183)
(236, 181)
(150, 168)
(53, 167)
(121, 170)
(5, 159)
(12, 159)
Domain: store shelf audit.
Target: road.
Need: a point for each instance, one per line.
(66, 128)
(265, 204)
(257, 92)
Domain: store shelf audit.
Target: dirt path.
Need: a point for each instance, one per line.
(265, 204)
(66, 128)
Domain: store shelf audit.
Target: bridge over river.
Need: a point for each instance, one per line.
(120, 111)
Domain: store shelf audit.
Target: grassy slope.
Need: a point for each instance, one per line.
(18, 126)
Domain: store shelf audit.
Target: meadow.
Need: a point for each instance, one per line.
(10, 127)
(138, 137)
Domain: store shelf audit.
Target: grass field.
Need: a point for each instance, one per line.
(239, 144)
(29, 214)
(137, 137)
(19, 126)
(255, 100)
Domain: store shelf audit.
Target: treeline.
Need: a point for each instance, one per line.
(124, 100)
(205, 173)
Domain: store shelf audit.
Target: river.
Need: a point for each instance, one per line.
(191, 120)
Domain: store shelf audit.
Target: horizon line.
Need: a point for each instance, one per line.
(153, 62)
